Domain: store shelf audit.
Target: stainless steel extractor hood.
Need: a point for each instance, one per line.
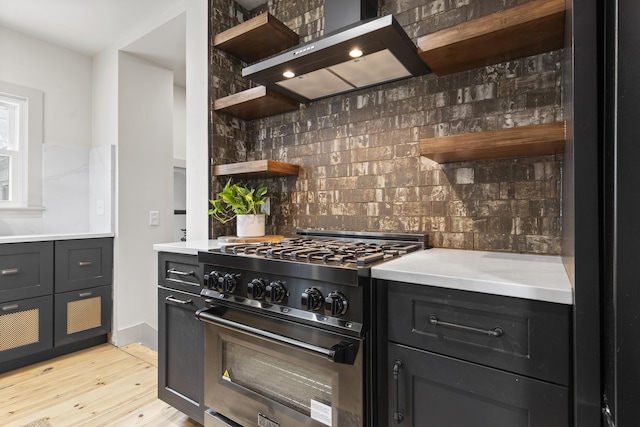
(324, 67)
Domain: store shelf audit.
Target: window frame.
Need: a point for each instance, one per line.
(18, 156)
(28, 200)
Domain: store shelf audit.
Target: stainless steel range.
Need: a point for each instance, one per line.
(289, 328)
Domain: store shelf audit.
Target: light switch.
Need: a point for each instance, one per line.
(154, 218)
(100, 207)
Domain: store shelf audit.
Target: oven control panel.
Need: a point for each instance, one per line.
(310, 299)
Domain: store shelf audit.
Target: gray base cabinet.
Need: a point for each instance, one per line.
(431, 390)
(457, 359)
(25, 327)
(55, 297)
(180, 336)
(82, 314)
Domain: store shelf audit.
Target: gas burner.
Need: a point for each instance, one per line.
(331, 251)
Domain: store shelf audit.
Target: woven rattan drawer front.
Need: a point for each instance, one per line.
(25, 327)
(26, 270)
(82, 314)
(82, 264)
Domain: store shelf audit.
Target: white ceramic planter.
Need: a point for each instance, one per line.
(250, 225)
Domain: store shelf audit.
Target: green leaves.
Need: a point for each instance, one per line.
(237, 199)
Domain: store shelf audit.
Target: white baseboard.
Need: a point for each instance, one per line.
(141, 333)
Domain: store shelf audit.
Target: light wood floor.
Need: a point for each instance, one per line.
(100, 386)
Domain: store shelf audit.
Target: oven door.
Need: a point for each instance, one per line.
(272, 372)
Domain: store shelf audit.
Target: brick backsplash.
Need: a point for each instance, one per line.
(359, 152)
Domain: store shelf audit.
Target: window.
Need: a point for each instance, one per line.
(20, 150)
(13, 150)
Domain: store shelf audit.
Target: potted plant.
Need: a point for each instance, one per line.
(243, 202)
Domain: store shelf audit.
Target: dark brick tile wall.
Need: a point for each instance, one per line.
(359, 152)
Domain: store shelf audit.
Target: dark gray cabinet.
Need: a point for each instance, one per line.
(457, 358)
(55, 298)
(180, 336)
(26, 270)
(439, 391)
(82, 314)
(81, 264)
(26, 327)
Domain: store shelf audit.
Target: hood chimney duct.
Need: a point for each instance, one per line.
(342, 13)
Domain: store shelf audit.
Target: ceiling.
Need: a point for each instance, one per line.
(90, 26)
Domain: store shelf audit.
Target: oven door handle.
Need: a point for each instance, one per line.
(344, 352)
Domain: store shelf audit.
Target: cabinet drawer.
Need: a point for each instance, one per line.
(82, 314)
(26, 270)
(82, 264)
(433, 390)
(179, 271)
(524, 336)
(25, 327)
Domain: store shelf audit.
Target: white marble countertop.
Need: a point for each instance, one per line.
(536, 277)
(50, 237)
(188, 248)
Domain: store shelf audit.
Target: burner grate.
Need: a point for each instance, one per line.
(329, 251)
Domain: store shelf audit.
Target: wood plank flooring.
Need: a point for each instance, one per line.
(99, 386)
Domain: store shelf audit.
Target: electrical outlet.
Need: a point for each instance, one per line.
(154, 218)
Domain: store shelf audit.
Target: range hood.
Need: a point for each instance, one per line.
(324, 67)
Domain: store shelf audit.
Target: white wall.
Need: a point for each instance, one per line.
(145, 160)
(197, 120)
(144, 184)
(63, 75)
(179, 126)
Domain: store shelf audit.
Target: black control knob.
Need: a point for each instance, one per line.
(311, 299)
(275, 291)
(256, 288)
(211, 279)
(335, 304)
(228, 283)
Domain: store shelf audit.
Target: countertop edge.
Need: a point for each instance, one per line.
(52, 237)
(186, 248)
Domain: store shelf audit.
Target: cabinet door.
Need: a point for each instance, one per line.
(430, 390)
(82, 314)
(82, 264)
(26, 270)
(181, 352)
(25, 327)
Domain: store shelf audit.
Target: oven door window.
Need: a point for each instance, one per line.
(300, 388)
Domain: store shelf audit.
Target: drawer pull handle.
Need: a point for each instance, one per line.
(170, 298)
(495, 332)
(180, 273)
(397, 416)
(10, 307)
(84, 263)
(9, 271)
(85, 294)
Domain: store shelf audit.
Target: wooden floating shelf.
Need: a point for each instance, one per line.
(532, 28)
(257, 169)
(256, 38)
(255, 103)
(534, 140)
